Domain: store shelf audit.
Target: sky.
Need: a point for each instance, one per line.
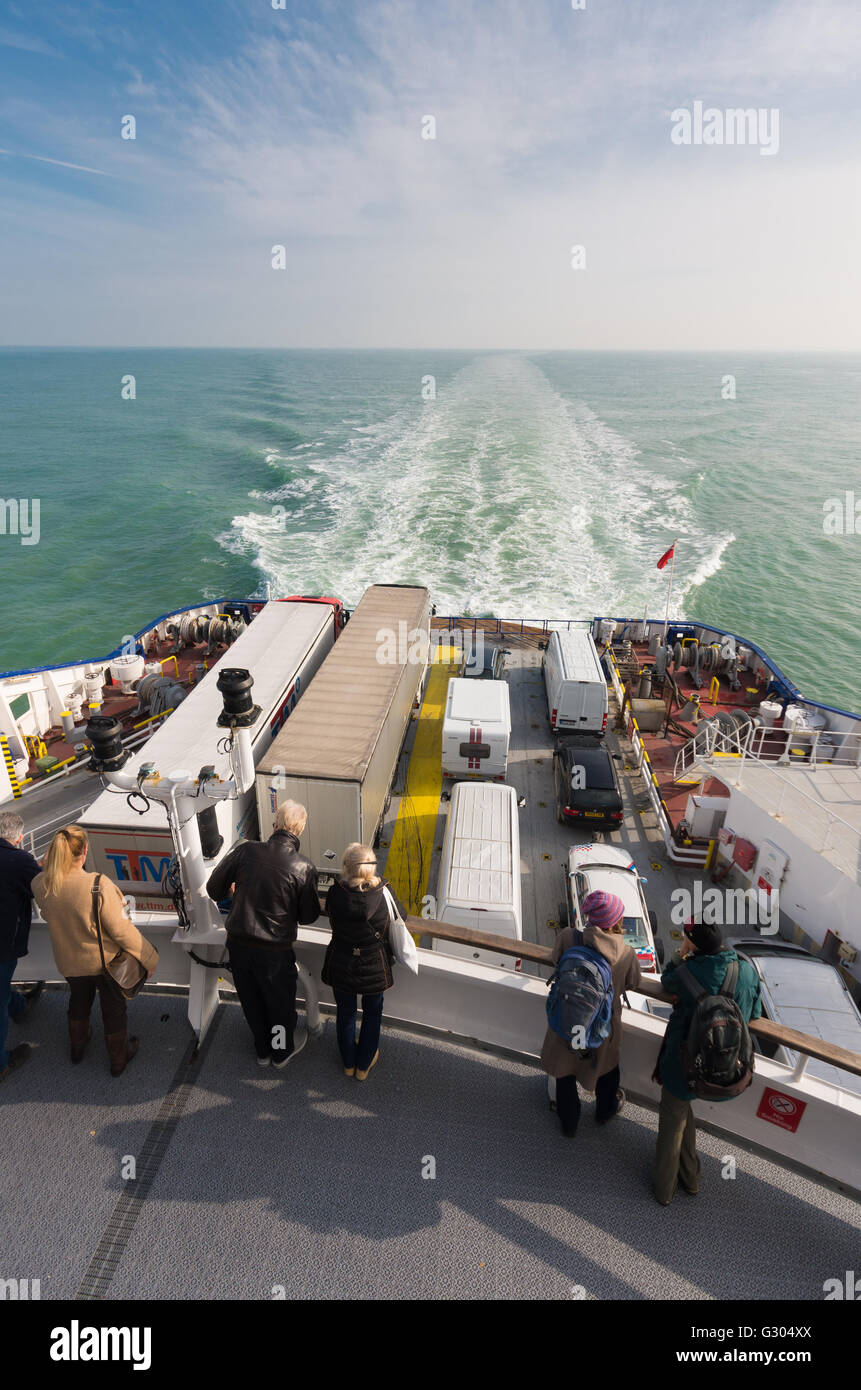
(303, 126)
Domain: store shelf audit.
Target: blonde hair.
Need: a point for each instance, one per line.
(360, 868)
(67, 846)
(291, 816)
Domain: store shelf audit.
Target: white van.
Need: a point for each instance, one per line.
(476, 730)
(479, 875)
(576, 689)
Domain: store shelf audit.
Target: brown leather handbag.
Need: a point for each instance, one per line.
(124, 969)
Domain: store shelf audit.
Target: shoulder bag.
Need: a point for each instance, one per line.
(403, 946)
(124, 969)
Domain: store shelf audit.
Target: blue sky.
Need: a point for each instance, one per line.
(258, 126)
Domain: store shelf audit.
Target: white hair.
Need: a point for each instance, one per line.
(291, 816)
(11, 826)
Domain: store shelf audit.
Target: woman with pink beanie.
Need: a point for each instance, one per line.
(599, 1072)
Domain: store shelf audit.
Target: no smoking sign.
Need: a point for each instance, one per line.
(780, 1109)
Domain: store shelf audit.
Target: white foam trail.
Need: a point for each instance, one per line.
(501, 495)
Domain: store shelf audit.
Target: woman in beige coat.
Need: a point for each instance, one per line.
(599, 1072)
(63, 892)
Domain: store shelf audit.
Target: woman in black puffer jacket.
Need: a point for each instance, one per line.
(359, 958)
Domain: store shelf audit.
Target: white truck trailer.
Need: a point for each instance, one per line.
(282, 649)
(339, 752)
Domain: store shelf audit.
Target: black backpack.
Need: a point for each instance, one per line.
(717, 1052)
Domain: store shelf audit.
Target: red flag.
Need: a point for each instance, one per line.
(669, 555)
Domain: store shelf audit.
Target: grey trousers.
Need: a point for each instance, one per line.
(676, 1155)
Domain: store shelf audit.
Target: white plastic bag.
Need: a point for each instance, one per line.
(403, 946)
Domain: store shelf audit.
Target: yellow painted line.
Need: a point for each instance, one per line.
(409, 858)
(152, 719)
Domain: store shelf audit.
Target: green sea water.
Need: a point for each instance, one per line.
(523, 484)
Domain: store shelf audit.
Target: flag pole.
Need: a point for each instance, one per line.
(670, 589)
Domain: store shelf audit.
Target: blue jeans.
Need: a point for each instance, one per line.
(358, 1054)
(12, 1003)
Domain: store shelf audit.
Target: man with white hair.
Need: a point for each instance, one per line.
(274, 890)
(17, 871)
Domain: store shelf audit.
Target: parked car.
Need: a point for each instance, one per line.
(484, 663)
(803, 992)
(599, 867)
(587, 783)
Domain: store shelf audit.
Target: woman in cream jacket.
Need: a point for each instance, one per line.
(63, 892)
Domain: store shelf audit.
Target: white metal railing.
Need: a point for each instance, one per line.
(134, 741)
(818, 816)
(38, 839)
(680, 854)
(806, 748)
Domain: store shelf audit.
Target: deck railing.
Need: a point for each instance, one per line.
(789, 1038)
(691, 855)
(728, 752)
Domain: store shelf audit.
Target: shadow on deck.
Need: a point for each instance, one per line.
(311, 1181)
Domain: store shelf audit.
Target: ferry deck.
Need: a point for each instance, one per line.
(444, 1176)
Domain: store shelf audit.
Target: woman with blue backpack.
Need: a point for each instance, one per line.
(584, 1011)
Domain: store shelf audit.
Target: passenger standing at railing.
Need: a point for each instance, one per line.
(704, 955)
(274, 891)
(17, 871)
(359, 958)
(598, 1072)
(64, 892)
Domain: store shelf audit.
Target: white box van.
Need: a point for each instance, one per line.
(476, 729)
(479, 875)
(576, 689)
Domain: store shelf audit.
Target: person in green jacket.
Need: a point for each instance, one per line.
(705, 955)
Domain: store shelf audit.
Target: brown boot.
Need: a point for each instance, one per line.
(80, 1033)
(121, 1050)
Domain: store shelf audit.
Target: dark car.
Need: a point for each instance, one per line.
(587, 784)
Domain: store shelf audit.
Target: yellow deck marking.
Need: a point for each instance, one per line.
(409, 858)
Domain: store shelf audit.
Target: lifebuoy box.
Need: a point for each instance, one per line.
(743, 854)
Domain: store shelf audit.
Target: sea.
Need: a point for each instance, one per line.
(523, 484)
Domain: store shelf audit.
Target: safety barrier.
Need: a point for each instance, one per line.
(680, 854)
(789, 1116)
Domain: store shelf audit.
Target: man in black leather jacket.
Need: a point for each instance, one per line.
(274, 891)
(17, 871)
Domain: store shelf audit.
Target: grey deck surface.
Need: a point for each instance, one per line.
(312, 1181)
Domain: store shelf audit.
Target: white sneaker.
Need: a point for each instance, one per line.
(300, 1037)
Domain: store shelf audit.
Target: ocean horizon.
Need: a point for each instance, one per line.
(522, 483)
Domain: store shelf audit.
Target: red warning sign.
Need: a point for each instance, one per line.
(780, 1109)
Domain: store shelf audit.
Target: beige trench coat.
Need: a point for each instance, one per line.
(69, 914)
(557, 1059)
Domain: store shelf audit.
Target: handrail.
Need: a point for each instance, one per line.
(543, 955)
(678, 854)
(734, 745)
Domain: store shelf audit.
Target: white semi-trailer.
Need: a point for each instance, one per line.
(130, 840)
(339, 752)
